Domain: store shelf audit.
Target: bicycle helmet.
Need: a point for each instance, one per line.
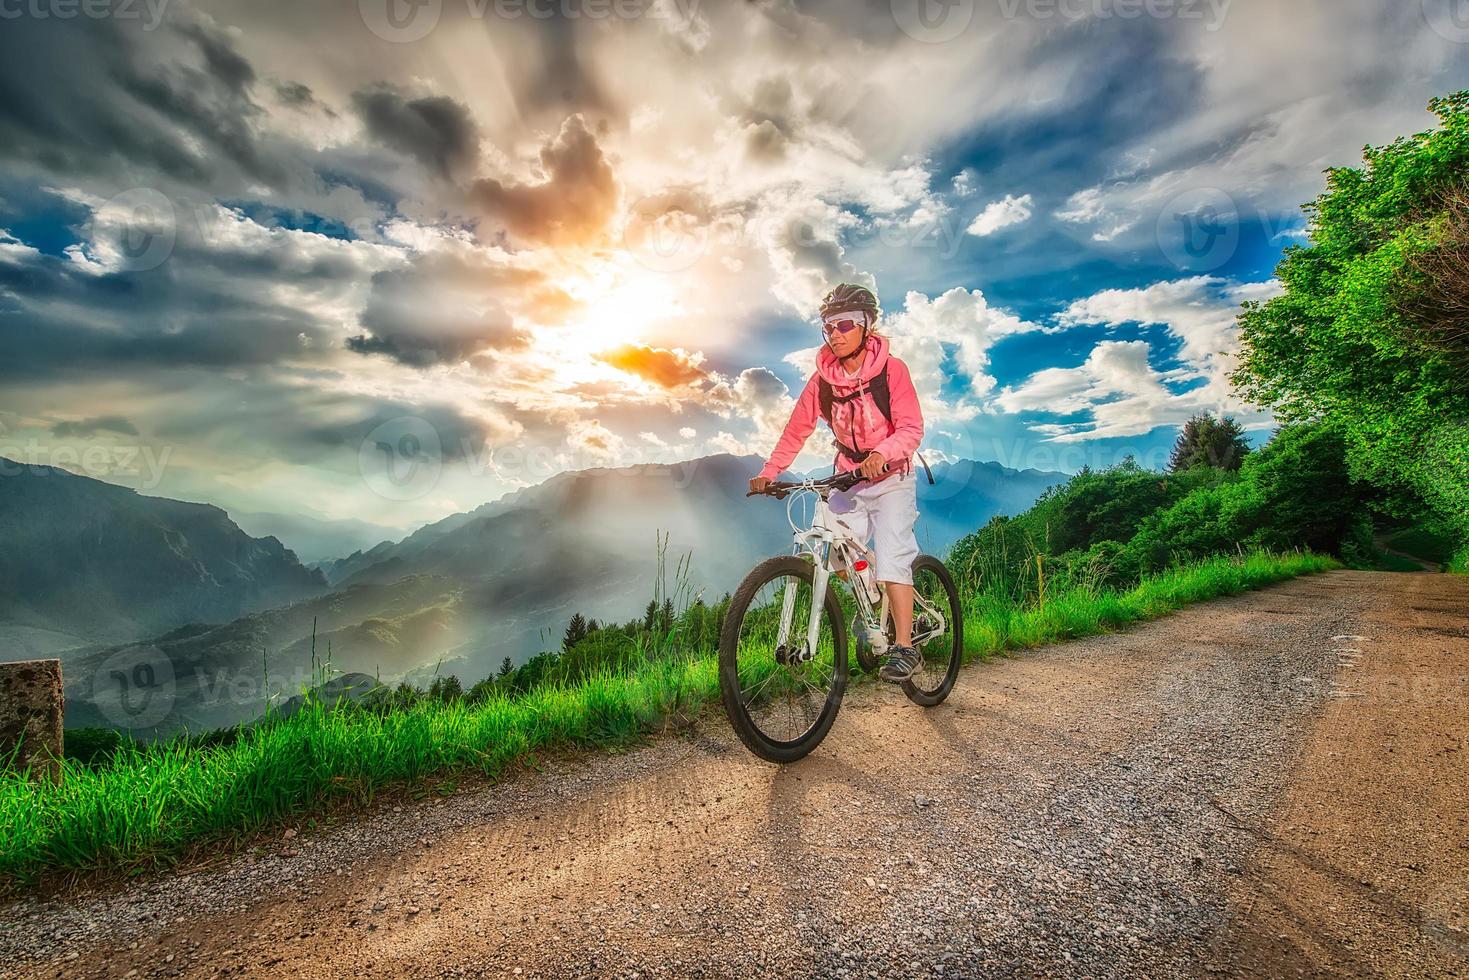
(850, 297)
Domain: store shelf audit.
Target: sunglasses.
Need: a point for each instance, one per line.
(843, 325)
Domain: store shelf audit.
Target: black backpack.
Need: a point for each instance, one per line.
(881, 395)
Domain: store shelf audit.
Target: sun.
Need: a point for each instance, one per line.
(624, 306)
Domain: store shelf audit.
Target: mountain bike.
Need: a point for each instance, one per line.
(783, 664)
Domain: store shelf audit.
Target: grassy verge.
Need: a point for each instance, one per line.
(1459, 563)
(150, 803)
(992, 625)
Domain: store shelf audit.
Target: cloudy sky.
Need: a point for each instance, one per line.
(387, 260)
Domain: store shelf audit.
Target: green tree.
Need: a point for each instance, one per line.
(650, 615)
(1208, 441)
(533, 671)
(446, 688)
(576, 631)
(506, 668)
(481, 690)
(1369, 330)
(1296, 492)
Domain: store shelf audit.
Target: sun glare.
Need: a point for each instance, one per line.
(624, 307)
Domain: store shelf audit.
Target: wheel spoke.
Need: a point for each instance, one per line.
(938, 644)
(783, 701)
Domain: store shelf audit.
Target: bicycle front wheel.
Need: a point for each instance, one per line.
(781, 695)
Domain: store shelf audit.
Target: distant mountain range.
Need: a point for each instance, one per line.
(461, 594)
(314, 539)
(85, 561)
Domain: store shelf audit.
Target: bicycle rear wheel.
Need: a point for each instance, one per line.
(938, 639)
(781, 699)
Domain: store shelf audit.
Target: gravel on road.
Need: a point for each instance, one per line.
(1121, 805)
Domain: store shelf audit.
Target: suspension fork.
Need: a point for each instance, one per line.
(818, 602)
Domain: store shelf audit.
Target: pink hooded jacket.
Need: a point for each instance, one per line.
(858, 423)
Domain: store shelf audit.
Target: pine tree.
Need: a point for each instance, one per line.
(446, 689)
(650, 615)
(1207, 441)
(576, 631)
(665, 616)
(593, 626)
(506, 668)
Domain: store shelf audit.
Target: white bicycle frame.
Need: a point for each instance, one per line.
(827, 537)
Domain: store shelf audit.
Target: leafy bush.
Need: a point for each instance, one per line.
(604, 650)
(1008, 557)
(91, 746)
(1294, 493)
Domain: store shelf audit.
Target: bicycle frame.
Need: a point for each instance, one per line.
(827, 536)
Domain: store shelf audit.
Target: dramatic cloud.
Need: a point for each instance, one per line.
(1010, 210)
(668, 368)
(435, 130)
(261, 231)
(960, 321)
(1116, 387)
(444, 307)
(221, 291)
(1201, 312)
(1119, 389)
(571, 204)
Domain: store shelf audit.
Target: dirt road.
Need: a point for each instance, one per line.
(1273, 783)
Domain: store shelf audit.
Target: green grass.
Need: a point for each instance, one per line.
(148, 804)
(992, 625)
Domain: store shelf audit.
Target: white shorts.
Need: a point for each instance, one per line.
(884, 514)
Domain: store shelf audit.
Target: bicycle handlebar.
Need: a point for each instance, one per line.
(840, 481)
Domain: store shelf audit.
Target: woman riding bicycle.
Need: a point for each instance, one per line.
(858, 374)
